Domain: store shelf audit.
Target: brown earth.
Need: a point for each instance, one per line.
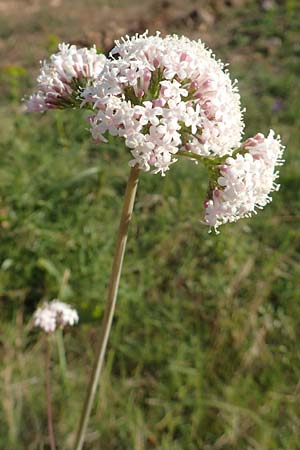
(29, 29)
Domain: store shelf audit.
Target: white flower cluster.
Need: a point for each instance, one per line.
(162, 95)
(166, 97)
(68, 70)
(245, 181)
(53, 315)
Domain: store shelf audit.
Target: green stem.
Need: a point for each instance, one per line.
(61, 355)
(211, 161)
(192, 155)
(49, 395)
(110, 305)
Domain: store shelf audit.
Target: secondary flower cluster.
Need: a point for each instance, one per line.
(61, 79)
(162, 95)
(245, 181)
(167, 98)
(53, 315)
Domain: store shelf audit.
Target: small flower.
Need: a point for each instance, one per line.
(63, 78)
(172, 90)
(148, 113)
(53, 315)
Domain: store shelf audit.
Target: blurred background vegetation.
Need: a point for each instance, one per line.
(205, 349)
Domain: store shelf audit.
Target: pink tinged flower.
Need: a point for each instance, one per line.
(193, 119)
(194, 85)
(156, 63)
(140, 93)
(172, 90)
(254, 141)
(134, 140)
(53, 315)
(159, 102)
(36, 103)
(183, 57)
(131, 76)
(152, 159)
(148, 113)
(146, 79)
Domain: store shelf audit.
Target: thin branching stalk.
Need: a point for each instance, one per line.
(49, 395)
(208, 161)
(111, 303)
(191, 155)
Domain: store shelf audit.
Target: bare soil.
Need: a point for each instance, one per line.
(29, 29)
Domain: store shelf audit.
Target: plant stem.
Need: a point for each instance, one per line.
(49, 396)
(111, 303)
(192, 155)
(61, 355)
(208, 161)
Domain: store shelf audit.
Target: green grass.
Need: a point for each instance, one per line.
(204, 353)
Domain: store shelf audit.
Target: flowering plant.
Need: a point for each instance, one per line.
(53, 317)
(166, 98)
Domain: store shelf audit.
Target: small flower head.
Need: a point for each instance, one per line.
(53, 315)
(244, 182)
(64, 76)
